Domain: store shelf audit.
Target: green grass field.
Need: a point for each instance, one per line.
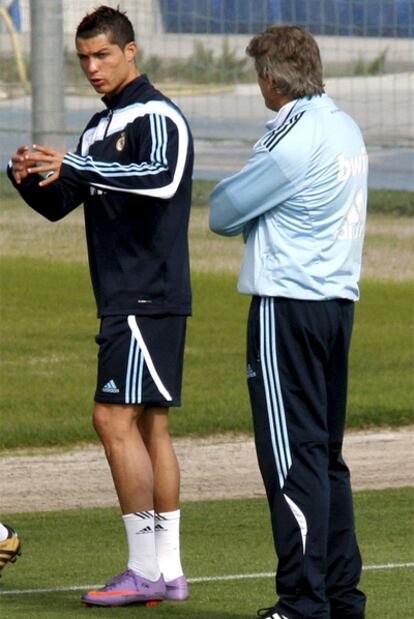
(48, 356)
(221, 540)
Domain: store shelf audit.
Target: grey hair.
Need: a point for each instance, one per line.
(290, 56)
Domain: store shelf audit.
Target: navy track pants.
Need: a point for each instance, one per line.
(297, 356)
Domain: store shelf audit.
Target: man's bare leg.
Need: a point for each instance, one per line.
(127, 455)
(132, 472)
(154, 428)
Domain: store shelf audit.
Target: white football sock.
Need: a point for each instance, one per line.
(4, 534)
(142, 557)
(167, 541)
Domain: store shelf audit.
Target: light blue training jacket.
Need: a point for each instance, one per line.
(300, 203)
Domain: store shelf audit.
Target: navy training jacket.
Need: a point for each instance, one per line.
(133, 171)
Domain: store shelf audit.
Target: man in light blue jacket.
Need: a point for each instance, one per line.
(300, 204)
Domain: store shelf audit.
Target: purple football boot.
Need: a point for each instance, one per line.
(177, 590)
(127, 588)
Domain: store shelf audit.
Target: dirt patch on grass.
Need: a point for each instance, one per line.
(212, 468)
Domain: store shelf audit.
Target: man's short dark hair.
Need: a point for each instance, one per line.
(111, 22)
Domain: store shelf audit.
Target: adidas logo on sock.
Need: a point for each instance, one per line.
(144, 530)
(110, 387)
(159, 527)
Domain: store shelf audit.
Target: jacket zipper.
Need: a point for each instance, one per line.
(109, 118)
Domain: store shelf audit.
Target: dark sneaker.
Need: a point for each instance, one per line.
(177, 590)
(9, 548)
(127, 588)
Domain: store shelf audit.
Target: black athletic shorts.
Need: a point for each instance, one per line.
(140, 360)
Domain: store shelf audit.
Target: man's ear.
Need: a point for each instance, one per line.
(273, 85)
(269, 84)
(131, 51)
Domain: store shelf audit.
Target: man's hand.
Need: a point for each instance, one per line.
(21, 163)
(50, 160)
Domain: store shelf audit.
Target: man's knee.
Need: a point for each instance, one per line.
(113, 421)
(101, 418)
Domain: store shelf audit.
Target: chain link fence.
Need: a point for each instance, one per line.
(194, 51)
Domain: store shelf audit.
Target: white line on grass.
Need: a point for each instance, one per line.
(366, 568)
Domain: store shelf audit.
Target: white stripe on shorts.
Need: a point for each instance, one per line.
(138, 352)
(135, 368)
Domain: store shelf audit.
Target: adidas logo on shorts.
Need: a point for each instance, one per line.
(110, 387)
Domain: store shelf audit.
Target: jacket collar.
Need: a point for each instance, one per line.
(313, 103)
(282, 115)
(132, 88)
(299, 105)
